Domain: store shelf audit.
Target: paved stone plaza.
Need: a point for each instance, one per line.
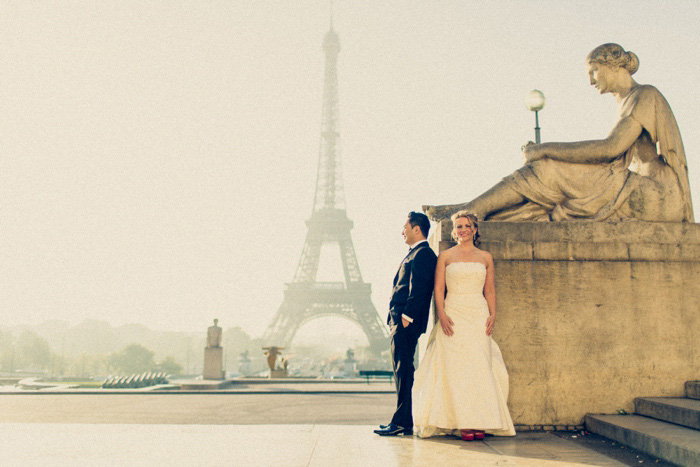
(288, 429)
(284, 445)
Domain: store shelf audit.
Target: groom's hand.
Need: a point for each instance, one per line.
(405, 322)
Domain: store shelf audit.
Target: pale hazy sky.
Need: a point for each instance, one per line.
(158, 159)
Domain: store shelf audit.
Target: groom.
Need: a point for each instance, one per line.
(409, 310)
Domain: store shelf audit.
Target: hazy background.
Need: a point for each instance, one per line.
(158, 159)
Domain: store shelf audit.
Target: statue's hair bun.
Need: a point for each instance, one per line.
(614, 55)
(632, 64)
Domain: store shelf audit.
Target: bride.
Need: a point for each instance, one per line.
(461, 385)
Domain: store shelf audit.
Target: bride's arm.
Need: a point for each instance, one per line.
(490, 294)
(622, 136)
(439, 295)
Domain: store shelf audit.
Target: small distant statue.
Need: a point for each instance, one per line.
(214, 335)
(244, 363)
(272, 352)
(638, 172)
(349, 363)
(213, 353)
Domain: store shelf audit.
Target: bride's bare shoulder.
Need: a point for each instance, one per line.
(484, 256)
(446, 255)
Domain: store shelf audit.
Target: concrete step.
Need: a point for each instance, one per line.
(692, 389)
(678, 410)
(672, 443)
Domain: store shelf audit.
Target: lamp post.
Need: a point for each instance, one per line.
(535, 102)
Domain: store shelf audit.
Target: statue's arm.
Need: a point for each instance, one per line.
(622, 136)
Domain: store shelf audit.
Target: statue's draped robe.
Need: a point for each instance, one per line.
(557, 190)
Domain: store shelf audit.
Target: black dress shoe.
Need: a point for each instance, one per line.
(394, 430)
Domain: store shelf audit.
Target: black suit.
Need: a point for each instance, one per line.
(413, 289)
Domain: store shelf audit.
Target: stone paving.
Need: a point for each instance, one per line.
(235, 428)
(281, 445)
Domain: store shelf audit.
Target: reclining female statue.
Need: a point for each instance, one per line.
(638, 172)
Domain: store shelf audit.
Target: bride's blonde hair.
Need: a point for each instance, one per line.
(474, 221)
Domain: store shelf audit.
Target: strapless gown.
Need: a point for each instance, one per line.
(462, 382)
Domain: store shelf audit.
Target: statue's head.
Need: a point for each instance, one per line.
(216, 321)
(462, 219)
(614, 56)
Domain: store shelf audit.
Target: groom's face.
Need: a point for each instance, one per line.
(409, 233)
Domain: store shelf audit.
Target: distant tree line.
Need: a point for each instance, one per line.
(96, 349)
(31, 354)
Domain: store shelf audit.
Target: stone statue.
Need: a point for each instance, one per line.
(214, 335)
(272, 352)
(213, 353)
(244, 363)
(349, 363)
(638, 171)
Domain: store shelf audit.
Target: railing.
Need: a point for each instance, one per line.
(326, 286)
(384, 374)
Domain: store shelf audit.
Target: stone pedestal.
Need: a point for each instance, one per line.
(279, 373)
(591, 315)
(349, 368)
(213, 363)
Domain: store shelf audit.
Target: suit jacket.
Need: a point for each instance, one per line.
(413, 287)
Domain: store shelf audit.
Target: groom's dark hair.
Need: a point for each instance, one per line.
(421, 220)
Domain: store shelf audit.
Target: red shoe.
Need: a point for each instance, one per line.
(478, 434)
(467, 435)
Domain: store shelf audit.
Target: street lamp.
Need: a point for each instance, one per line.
(535, 101)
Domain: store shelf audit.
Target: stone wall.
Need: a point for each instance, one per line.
(591, 315)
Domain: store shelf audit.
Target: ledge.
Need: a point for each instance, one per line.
(583, 241)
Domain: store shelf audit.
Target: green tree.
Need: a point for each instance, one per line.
(59, 365)
(133, 358)
(6, 351)
(170, 366)
(32, 351)
(87, 365)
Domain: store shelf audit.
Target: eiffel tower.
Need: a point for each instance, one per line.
(305, 298)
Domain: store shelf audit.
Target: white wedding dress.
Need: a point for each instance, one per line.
(462, 382)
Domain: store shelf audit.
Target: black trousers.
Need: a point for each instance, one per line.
(403, 349)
